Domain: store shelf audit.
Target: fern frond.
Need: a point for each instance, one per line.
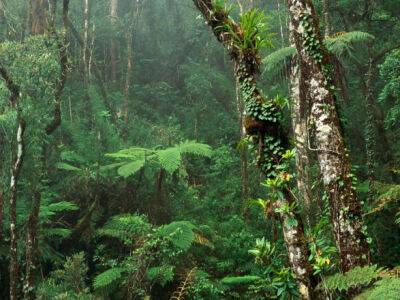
(239, 280)
(192, 147)
(108, 277)
(180, 233)
(48, 210)
(355, 278)
(131, 168)
(180, 293)
(274, 62)
(134, 153)
(170, 159)
(163, 274)
(342, 43)
(125, 228)
(67, 167)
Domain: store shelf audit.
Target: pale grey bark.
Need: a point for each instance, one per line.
(331, 151)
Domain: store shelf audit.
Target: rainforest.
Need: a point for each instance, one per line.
(199, 149)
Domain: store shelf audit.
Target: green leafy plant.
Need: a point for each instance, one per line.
(355, 278)
(169, 159)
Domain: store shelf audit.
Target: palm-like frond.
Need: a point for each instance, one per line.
(342, 44)
(277, 60)
(180, 233)
(192, 147)
(108, 277)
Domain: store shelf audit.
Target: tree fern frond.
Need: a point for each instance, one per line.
(342, 43)
(275, 61)
(180, 234)
(170, 159)
(163, 274)
(134, 153)
(125, 227)
(108, 277)
(355, 278)
(67, 167)
(192, 147)
(131, 168)
(48, 210)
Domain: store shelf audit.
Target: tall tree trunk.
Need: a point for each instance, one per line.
(264, 132)
(15, 174)
(33, 220)
(128, 78)
(332, 154)
(113, 42)
(31, 247)
(299, 113)
(1, 214)
(86, 54)
(38, 16)
(243, 148)
(327, 18)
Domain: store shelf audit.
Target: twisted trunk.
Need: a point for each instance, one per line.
(332, 154)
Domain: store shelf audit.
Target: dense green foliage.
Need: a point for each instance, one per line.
(145, 200)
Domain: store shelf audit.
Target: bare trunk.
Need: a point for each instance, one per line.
(263, 127)
(332, 154)
(113, 42)
(38, 18)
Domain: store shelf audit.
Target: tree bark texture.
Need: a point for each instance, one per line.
(262, 130)
(316, 68)
(113, 41)
(299, 112)
(38, 16)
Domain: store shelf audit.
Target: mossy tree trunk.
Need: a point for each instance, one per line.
(263, 127)
(316, 68)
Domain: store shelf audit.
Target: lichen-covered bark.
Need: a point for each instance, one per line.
(263, 127)
(332, 154)
(299, 112)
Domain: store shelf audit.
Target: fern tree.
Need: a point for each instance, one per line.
(151, 257)
(165, 162)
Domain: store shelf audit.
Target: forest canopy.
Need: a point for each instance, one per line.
(199, 149)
